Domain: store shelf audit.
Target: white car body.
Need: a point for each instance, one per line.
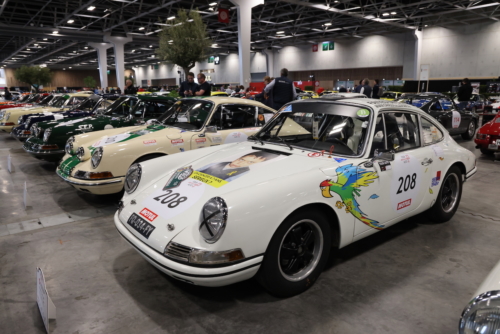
(261, 200)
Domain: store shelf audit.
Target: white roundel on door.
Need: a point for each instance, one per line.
(405, 185)
(455, 122)
(108, 126)
(235, 137)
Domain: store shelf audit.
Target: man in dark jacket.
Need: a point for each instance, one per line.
(283, 90)
(464, 94)
(342, 89)
(357, 89)
(375, 90)
(129, 88)
(366, 89)
(188, 87)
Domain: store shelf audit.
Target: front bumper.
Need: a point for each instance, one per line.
(194, 275)
(470, 173)
(48, 155)
(102, 187)
(6, 128)
(19, 136)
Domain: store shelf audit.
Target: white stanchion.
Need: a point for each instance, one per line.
(10, 166)
(45, 304)
(26, 197)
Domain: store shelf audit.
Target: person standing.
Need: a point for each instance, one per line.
(8, 95)
(357, 89)
(342, 89)
(464, 94)
(188, 87)
(129, 88)
(203, 86)
(376, 90)
(229, 90)
(264, 97)
(366, 89)
(282, 90)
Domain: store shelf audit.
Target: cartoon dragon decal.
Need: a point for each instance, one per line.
(349, 179)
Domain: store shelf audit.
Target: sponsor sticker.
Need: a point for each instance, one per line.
(200, 140)
(314, 154)
(363, 112)
(288, 108)
(384, 165)
(404, 204)
(208, 179)
(339, 159)
(148, 214)
(455, 122)
(177, 142)
(235, 137)
(180, 175)
(149, 142)
(111, 140)
(216, 139)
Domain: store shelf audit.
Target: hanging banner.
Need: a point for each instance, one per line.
(223, 15)
(424, 72)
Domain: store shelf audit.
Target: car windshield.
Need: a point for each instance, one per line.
(31, 98)
(121, 106)
(389, 95)
(86, 105)
(73, 101)
(187, 114)
(416, 101)
(24, 98)
(330, 127)
(46, 99)
(57, 102)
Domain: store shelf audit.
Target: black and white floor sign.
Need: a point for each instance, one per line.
(45, 305)
(26, 197)
(10, 167)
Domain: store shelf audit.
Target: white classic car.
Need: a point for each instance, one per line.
(482, 314)
(97, 162)
(319, 174)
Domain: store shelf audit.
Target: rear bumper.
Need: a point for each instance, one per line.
(103, 187)
(194, 275)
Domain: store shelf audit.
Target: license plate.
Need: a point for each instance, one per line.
(498, 141)
(140, 225)
(493, 147)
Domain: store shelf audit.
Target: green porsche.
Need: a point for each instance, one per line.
(49, 138)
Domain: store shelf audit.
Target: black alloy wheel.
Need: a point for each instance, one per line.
(449, 196)
(471, 131)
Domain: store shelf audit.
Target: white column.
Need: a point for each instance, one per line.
(418, 54)
(103, 61)
(118, 46)
(244, 36)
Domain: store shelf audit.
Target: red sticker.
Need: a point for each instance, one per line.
(404, 204)
(177, 142)
(314, 154)
(149, 215)
(149, 142)
(201, 140)
(438, 175)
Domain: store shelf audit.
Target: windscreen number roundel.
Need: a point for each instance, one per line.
(405, 184)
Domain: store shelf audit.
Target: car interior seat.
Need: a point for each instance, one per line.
(355, 137)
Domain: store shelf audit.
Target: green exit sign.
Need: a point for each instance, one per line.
(109, 71)
(328, 46)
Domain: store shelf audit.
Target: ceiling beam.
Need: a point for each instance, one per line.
(65, 46)
(85, 6)
(17, 51)
(3, 6)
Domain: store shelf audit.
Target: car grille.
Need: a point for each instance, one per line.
(177, 252)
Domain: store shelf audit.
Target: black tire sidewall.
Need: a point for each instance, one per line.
(466, 135)
(270, 275)
(437, 214)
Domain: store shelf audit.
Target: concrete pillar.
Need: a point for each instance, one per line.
(102, 61)
(118, 46)
(244, 8)
(418, 35)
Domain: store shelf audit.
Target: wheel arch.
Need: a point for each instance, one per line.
(149, 156)
(460, 166)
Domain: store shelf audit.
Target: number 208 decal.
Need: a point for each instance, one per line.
(406, 183)
(171, 198)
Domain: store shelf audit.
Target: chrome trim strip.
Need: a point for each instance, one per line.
(86, 184)
(471, 173)
(43, 152)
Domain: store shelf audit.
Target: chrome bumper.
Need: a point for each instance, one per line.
(88, 184)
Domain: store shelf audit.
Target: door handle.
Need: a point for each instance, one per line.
(427, 161)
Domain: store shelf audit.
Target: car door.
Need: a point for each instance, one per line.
(462, 118)
(400, 186)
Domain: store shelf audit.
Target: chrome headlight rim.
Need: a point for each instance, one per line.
(7, 116)
(96, 158)
(132, 178)
(46, 135)
(210, 233)
(485, 301)
(68, 148)
(82, 154)
(20, 120)
(33, 130)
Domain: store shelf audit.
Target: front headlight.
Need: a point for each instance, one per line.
(46, 135)
(83, 153)
(33, 130)
(68, 148)
(39, 132)
(2, 113)
(133, 178)
(482, 315)
(96, 157)
(20, 120)
(214, 216)
(7, 116)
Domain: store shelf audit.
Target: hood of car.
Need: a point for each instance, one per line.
(492, 127)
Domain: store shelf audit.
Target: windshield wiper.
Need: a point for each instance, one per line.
(284, 142)
(258, 139)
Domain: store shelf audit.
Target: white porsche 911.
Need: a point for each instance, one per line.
(319, 174)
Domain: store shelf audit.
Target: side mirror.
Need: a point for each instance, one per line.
(211, 129)
(385, 156)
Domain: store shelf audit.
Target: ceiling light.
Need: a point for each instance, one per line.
(150, 46)
(71, 21)
(35, 44)
(55, 32)
(28, 49)
(70, 67)
(426, 25)
(86, 47)
(43, 39)
(170, 18)
(327, 24)
(141, 28)
(280, 32)
(158, 62)
(91, 8)
(213, 4)
(393, 13)
(385, 14)
(171, 41)
(133, 50)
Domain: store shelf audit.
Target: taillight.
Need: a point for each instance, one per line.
(482, 136)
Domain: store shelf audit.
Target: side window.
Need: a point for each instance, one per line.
(263, 116)
(152, 110)
(446, 104)
(431, 133)
(234, 117)
(402, 131)
(436, 106)
(379, 138)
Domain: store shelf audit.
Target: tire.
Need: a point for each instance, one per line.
(486, 151)
(448, 198)
(471, 131)
(287, 245)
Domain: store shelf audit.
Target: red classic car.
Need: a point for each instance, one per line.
(27, 102)
(488, 136)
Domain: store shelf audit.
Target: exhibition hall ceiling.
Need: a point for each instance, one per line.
(57, 32)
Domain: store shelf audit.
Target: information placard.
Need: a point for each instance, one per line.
(45, 305)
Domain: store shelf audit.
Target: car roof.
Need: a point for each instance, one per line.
(80, 94)
(227, 99)
(144, 97)
(343, 96)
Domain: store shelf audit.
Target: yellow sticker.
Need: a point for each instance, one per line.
(430, 191)
(208, 179)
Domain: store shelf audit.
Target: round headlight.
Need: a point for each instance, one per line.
(39, 132)
(7, 116)
(33, 130)
(69, 145)
(482, 315)
(20, 120)
(214, 218)
(82, 153)
(46, 135)
(133, 178)
(96, 157)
